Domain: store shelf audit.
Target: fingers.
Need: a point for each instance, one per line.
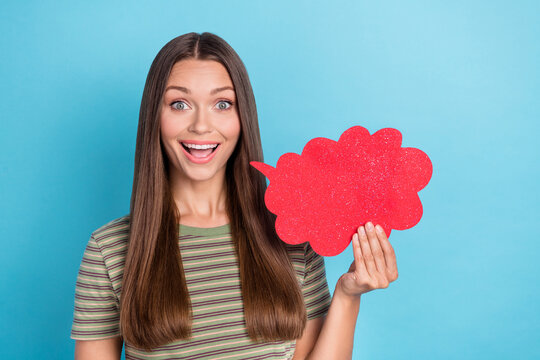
(367, 256)
(374, 264)
(359, 263)
(376, 248)
(389, 254)
(378, 254)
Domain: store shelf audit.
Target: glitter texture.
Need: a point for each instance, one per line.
(326, 193)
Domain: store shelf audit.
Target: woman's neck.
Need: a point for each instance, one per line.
(200, 203)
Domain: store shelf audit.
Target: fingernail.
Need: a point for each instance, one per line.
(362, 230)
(379, 228)
(369, 225)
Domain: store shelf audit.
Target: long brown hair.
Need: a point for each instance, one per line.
(155, 307)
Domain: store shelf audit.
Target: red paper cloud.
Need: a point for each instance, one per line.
(326, 193)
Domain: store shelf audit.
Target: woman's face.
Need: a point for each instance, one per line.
(199, 120)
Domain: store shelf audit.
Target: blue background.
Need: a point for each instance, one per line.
(459, 79)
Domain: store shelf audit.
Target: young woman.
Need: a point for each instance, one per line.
(196, 270)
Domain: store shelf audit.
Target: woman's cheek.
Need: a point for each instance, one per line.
(169, 127)
(233, 128)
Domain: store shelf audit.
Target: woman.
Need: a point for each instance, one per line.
(197, 264)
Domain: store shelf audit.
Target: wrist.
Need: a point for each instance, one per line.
(345, 297)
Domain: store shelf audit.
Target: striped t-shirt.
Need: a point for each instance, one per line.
(213, 281)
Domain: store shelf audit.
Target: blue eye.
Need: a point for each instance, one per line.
(181, 105)
(176, 107)
(222, 102)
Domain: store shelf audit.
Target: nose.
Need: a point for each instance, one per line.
(201, 122)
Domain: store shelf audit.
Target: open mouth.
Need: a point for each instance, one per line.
(200, 151)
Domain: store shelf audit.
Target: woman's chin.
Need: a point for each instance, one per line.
(201, 175)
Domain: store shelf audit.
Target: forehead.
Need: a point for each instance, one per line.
(194, 73)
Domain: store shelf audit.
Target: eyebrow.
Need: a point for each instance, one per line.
(187, 91)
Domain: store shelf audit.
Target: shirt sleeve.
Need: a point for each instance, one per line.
(96, 314)
(315, 290)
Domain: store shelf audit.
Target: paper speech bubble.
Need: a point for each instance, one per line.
(323, 195)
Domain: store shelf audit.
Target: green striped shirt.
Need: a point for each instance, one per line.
(213, 281)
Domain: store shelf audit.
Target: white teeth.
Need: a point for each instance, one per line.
(205, 146)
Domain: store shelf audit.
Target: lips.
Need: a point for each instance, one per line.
(199, 152)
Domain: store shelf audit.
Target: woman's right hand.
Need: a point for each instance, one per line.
(374, 265)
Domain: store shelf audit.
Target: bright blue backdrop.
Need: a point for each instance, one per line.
(459, 79)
